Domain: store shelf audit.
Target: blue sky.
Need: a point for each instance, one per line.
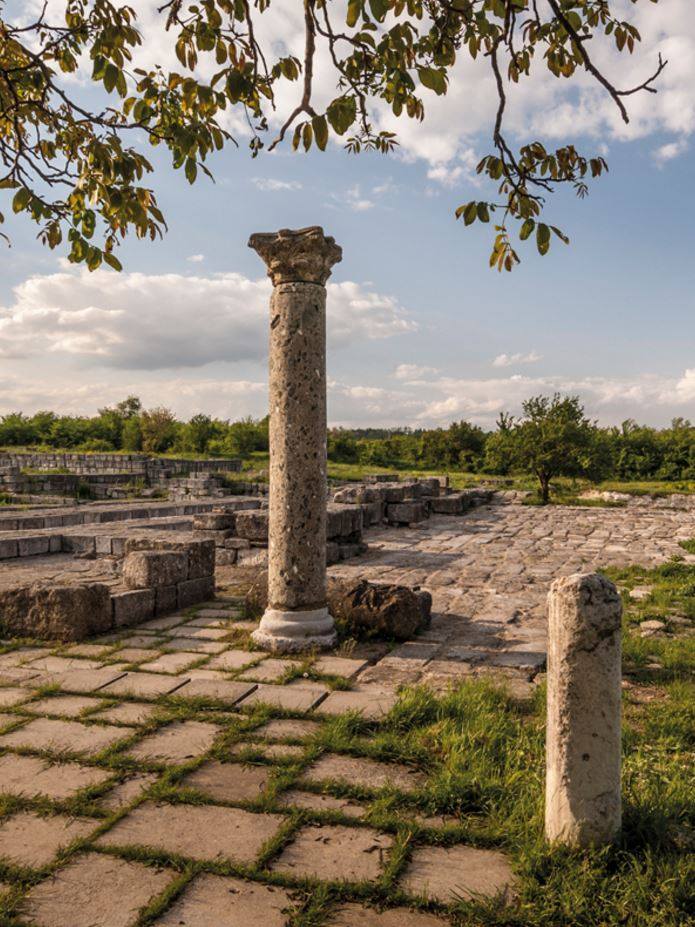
(421, 332)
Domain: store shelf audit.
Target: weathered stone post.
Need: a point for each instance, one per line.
(582, 798)
(299, 264)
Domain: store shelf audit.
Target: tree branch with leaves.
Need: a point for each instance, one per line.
(81, 173)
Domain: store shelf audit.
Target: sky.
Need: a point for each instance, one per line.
(420, 331)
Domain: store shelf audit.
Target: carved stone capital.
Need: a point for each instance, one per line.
(297, 255)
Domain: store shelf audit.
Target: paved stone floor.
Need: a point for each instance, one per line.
(489, 573)
(169, 773)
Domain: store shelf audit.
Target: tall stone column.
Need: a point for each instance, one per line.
(299, 264)
(582, 799)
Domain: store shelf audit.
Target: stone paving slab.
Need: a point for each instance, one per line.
(64, 706)
(289, 698)
(335, 853)
(270, 670)
(356, 915)
(28, 777)
(229, 782)
(219, 689)
(450, 874)
(234, 660)
(214, 901)
(95, 890)
(329, 665)
(202, 832)
(364, 773)
(371, 705)
(64, 736)
(27, 839)
(176, 743)
(128, 713)
(127, 791)
(144, 685)
(288, 729)
(295, 798)
(170, 663)
(77, 680)
(194, 646)
(269, 751)
(12, 696)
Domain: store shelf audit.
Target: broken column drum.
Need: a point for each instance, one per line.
(299, 264)
(583, 754)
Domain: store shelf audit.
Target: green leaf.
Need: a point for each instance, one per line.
(526, 229)
(542, 238)
(320, 131)
(21, 199)
(191, 170)
(433, 79)
(483, 212)
(113, 261)
(353, 12)
(379, 8)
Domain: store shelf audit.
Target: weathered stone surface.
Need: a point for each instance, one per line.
(254, 748)
(226, 902)
(28, 777)
(165, 599)
(453, 504)
(252, 525)
(356, 915)
(335, 852)
(193, 591)
(450, 874)
(232, 782)
(364, 773)
(233, 660)
(372, 705)
(11, 696)
(63, 736)
(390, 611)
(27, 839)
(269, 670)
(299, 264)
(176, 743)
(201, 553)
(214, 521)
(143, 569)
(406, 513)
(63, 706)
(207, 832)
(134, 607)
(296, 798)
(55, 612)
(220, 690)
(170, 662)
(79, 680)
(338, 666)
(584, 698)
(68, 897)
(287, 729)
(144, 685)
(128, 713)
(289, 698)
(128, 790)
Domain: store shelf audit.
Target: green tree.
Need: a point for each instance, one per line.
(159, 428)
(80, 172)
(553, 438)
(197, 434)
(131, 436)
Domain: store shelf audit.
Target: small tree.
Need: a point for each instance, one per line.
(553, 438)
(159, 429)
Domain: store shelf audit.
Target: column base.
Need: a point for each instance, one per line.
(291, 632)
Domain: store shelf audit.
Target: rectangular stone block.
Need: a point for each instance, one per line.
(453, 504)
(252, 525)
(150, 568)
(8, 548)
(53, 612)
(225, 557)
(214, 521)
(406, 513)
(193, 591)
(165, 599)
(372, 513)
(33, 546)
(132, 607)
(201, 553)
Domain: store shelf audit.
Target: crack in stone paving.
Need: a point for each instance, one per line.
(489, 572)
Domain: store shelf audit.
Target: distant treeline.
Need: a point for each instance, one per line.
(629, 452)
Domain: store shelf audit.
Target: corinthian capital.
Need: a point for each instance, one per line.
(297, 255)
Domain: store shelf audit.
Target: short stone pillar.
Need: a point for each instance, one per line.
(582, 798)
(299, 264)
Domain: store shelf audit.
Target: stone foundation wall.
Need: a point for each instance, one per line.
(152, 469)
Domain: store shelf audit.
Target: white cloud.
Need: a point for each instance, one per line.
(510, 360)
(271, 185)
(354, 200)
(413, 372)
(669, 151)
(152, 322)
(196, 258)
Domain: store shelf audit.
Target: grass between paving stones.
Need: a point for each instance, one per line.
(483, 754)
